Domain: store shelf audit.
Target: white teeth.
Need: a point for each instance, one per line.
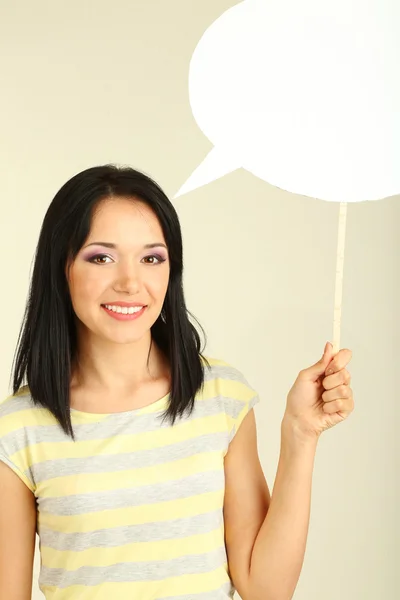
(124, 310)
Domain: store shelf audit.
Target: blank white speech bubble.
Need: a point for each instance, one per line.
(303, 94)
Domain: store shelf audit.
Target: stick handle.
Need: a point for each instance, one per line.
(337, 316)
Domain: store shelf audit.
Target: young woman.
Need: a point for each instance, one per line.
(123, 450)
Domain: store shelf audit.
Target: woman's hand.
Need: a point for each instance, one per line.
(321, 396)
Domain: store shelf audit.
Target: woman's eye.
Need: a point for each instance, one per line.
(158, 259)
(93, 260)
(153, 259)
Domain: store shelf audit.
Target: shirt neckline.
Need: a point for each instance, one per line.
(155, 404)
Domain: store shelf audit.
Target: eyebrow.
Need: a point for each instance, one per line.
(110, 245)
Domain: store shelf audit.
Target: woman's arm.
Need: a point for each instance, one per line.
(17, 536)
(279, 549)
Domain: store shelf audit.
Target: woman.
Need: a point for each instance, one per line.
(123, 451)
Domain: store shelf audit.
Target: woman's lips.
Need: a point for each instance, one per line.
(123, 317)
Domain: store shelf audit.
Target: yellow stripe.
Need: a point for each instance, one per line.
(174, 586)
(86, 483)
(119, 517)
(147, 440)
(216, 362)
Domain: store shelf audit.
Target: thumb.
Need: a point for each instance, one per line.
(315, 371)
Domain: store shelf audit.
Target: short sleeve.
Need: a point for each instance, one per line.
(13, 466)
(13, 445)
(248, 405)
(237, 395)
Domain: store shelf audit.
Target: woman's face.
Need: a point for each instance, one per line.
(134, 271)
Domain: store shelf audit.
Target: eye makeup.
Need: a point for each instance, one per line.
(161, 254)
(91, 255)
(159, 258)
(94, 258)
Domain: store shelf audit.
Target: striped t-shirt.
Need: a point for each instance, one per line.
(134, 507)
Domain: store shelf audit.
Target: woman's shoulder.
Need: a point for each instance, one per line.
(18, 418)
(228, 376)
(213, 361)
(226, 385)
(16, 410)
(13, 401)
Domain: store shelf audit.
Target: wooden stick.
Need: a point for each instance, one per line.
(337, 317)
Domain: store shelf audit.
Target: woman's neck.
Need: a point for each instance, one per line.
(118, 368)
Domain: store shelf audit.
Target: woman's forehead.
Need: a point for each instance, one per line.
(122, 218)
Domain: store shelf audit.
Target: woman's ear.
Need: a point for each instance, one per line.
(67, 268)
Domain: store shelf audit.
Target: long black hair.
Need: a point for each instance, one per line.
(47, 342)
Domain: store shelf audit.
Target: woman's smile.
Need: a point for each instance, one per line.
(124, 313)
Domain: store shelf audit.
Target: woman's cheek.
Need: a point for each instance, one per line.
(163, 282)
(88, 285)
(95, 276)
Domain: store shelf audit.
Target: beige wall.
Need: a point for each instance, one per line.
(86, 83)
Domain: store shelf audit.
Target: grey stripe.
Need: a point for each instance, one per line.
(224, 372)
(112, 463)
(80, 504)
(172, 529)
(135, 571)
(16, 404)
(237, 408)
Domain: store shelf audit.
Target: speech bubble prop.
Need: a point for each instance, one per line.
(306, 96)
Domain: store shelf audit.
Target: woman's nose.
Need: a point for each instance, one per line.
(128, 278)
